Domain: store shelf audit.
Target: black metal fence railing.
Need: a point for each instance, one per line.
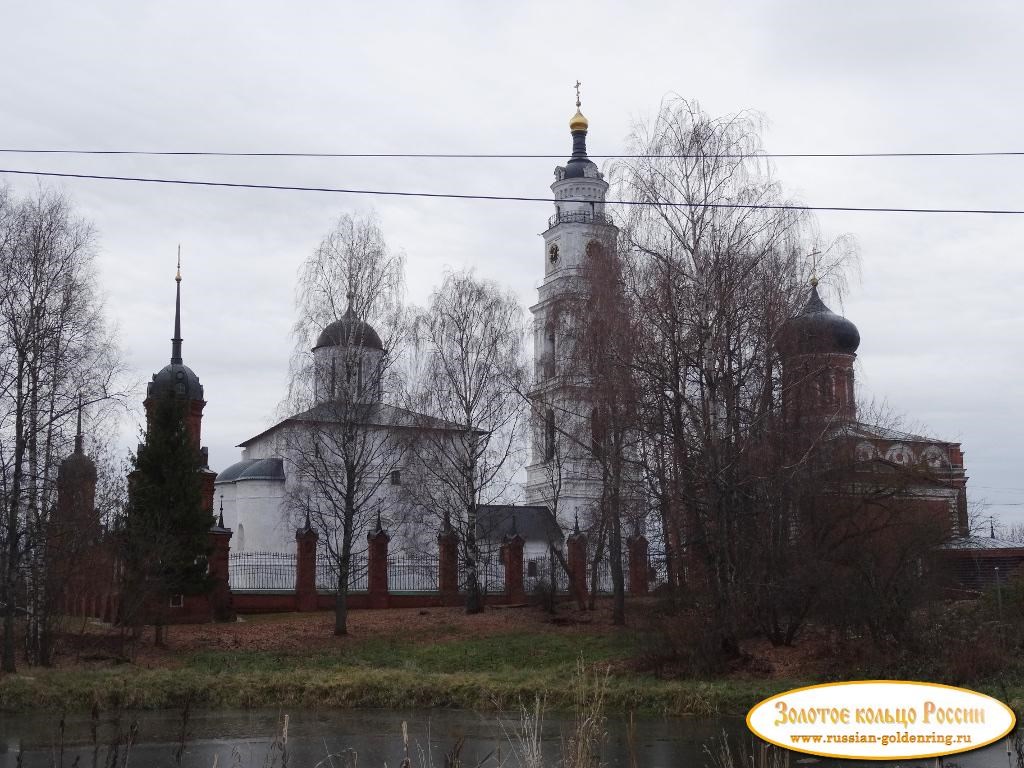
(261, 571)
(327, 573)
(579, 217)
(657, 569)
(604, 578)
(490, 574)
(276, 572)
(412, 574)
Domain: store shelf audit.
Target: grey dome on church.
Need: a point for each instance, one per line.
(819, 330)
(349, 331)
(253, 469)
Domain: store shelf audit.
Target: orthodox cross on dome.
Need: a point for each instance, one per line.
(578, 121)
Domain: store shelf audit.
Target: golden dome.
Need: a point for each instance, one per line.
(578, 122)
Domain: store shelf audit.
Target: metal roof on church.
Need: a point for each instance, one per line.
(861, 429)
(981, 542)
(373, 415)
(533, 523)
(253, 469)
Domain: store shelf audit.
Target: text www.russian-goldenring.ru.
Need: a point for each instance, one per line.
(904, 737)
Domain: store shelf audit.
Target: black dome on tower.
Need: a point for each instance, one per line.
(77, 466)
(819, 330)
(177, 378)
(349, 331)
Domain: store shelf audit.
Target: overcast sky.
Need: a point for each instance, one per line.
(938, 299)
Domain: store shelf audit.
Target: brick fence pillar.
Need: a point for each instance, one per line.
(377, 566)
(448, 566)
(639, 568)
(220, 594)
(306, 539)
(577, 561)
(512, 559)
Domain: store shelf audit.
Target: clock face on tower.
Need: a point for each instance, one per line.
(553, 254)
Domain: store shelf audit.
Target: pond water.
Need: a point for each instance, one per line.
(374, 737)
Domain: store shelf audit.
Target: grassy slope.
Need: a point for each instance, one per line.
(479, 673)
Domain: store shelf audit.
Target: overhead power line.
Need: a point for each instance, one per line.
(496, 156)
(509, 198)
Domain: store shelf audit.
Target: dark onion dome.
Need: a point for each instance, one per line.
(349, 331)
(819, 330)
(177, 379)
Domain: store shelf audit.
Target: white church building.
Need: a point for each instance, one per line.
(257, 494)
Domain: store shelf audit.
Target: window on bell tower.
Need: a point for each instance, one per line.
(549, 435)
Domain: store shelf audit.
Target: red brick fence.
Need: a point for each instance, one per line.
(261, 582)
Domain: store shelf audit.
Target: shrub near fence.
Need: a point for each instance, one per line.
(543, 577)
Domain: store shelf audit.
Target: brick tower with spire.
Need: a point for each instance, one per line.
(182, 383)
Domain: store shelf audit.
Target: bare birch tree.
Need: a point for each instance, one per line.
(54, 345)
(716, 267)
(470, 373)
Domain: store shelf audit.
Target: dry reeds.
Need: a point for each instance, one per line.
(583, 748)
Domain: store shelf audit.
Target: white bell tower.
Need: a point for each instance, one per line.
(561, 473)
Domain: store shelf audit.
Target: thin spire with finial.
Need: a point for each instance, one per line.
(78, 432)
(220, 520)
(576, 527)
(176, 341)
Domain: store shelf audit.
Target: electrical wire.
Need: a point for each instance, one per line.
(500, 156)
(510, 198)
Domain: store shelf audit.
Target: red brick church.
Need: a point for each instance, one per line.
(919, 476)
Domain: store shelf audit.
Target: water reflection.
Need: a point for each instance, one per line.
(244, 738)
